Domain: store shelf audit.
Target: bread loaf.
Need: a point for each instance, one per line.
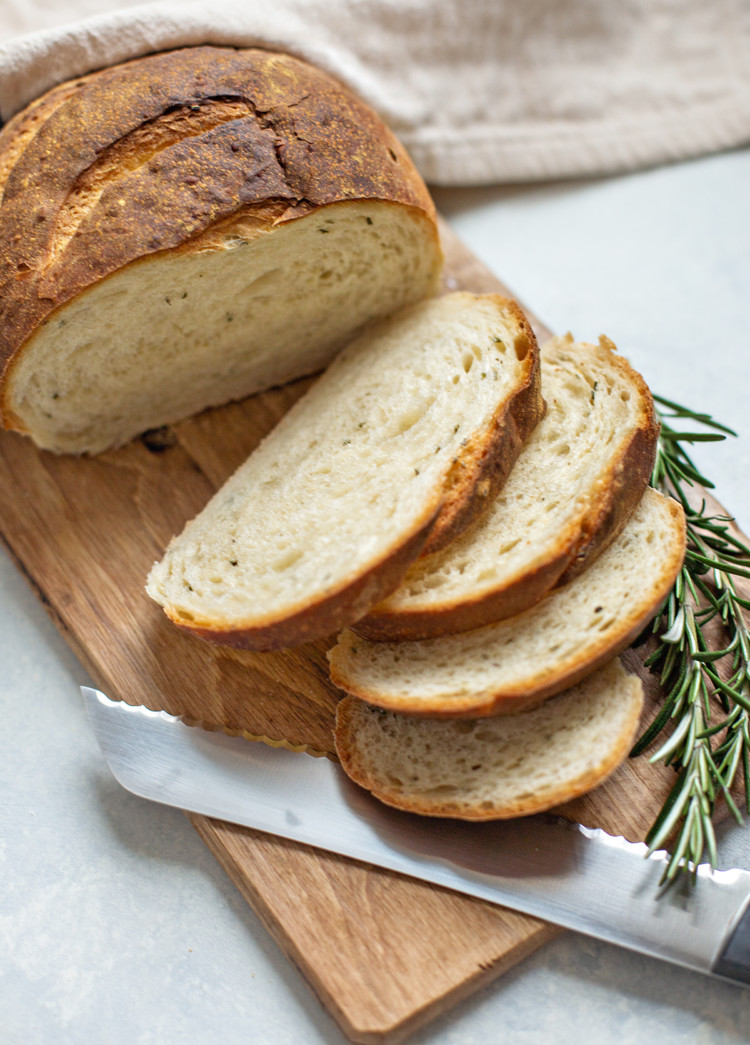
(493, 768)
(576, 481)
(189, 228)
(401, 442)
(519, 662)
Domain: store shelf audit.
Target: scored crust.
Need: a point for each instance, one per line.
(158, 153)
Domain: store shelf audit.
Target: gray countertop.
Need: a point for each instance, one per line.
(116, 924)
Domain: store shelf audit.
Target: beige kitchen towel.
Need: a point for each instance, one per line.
(479, 91)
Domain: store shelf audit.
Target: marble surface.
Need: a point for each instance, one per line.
(116, 924)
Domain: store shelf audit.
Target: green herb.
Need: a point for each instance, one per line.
(708, 711)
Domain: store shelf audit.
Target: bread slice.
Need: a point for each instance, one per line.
(576, 481)
(192, 227)
(493, 768)
(521, 661)
(402, 441)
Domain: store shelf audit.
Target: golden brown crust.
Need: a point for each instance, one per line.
(411, 625)
(624, 484)
(329, 613)
(20, 130)
(536, 688)
(618, 493)
(149, 155)
(481, 470)
(350, 708)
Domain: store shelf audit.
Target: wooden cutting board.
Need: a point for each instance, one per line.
(383, 953)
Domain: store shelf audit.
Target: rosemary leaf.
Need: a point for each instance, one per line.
(693, 437)
(708, 755)
(682, 411)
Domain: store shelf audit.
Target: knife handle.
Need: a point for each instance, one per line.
(734, 961)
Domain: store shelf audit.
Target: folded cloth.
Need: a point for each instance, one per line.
(479, 91)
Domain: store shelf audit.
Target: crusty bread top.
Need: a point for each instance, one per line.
(407, 432)
(157, 153)
(521, 661)
(577, 480)
(493, 768)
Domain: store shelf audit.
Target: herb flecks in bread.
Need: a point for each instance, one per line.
(493, 768)
(324, 518)
(523, 660)
(577, 479)
(189, 228)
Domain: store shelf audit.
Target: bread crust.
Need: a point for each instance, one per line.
(349, 710)
(154, 154)
(498, 444)
(611, 504)
(624, 484)
(414, 625)
(327, 614)
(542, 685)
(480, 472)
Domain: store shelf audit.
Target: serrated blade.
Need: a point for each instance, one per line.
(544, 866)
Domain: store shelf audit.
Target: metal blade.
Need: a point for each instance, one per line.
(545, 866)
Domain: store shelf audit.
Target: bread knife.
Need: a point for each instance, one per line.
(579, 878)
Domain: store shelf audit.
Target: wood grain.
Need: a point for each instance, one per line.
(383, 953)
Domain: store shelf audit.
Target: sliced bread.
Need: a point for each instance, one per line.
(192, 227)
(576, 481)
(521, 661)
(402, 441)
(493, 768)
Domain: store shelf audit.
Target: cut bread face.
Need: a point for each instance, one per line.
(190, 227)
(494, 768)
(175, 332)
(405, 437)
(577, 479)
(521, 661)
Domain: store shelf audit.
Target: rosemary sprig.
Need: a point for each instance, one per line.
(709, 714)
